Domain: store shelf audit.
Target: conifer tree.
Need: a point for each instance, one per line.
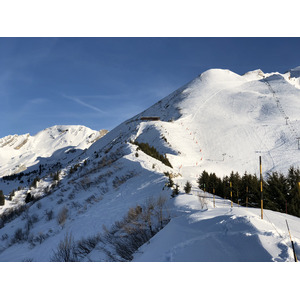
(276, 192)
(212, 182)
(170, 182)
(2, 198)
(203, 180)
(28, 198)
(35, 181)
(187, 187)
(293, 200)
(235, 179)
(175, 191)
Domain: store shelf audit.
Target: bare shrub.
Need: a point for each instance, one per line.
(161, 211)
(37, 239)
(135, 229)
(65, 251)
(30, 221)
(71, 195)
(203, 201)
(19, 236)
(12, 213)
(75, 205)
(40, 237)
(28, 259)
(4, 237)
(60, 201)
(34, 218)
(85, 182)
(122, 179)
(49, 215)
(62, 216)
(90, 199)
(86, 245)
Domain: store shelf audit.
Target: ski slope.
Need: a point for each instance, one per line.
(233, 119)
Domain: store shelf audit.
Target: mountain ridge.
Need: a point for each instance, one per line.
(23, 150)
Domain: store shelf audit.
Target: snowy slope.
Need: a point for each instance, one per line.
(224, 122)
(17, 153)
(219, 122)
(222, 233)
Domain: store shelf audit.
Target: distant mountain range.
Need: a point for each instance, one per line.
(18, 152)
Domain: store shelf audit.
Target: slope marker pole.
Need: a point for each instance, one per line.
(298, 138)
(295, 256)
(231, 193)
(261, 189)
(214, 196)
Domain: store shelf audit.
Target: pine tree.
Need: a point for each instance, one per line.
(175, 191)
(187, 187)
(11, 195)
(35, 181)
(235, 179)
(213, 182)
(29, 198)
(2, 198)
(203, 181)
(293, 200)
(275, 192)
(170, 182)
(253, 184)
(56, 176)
(225, 188)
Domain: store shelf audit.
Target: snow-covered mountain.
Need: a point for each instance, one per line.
(19, 152)
(219, 122)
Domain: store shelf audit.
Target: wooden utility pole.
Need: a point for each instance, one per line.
(261, 188)
(246, 196)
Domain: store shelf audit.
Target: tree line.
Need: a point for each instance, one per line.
(151, 151)
(280, 192)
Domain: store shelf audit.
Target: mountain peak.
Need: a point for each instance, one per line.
(295, 72)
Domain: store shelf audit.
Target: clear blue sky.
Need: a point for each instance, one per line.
(100, 82)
